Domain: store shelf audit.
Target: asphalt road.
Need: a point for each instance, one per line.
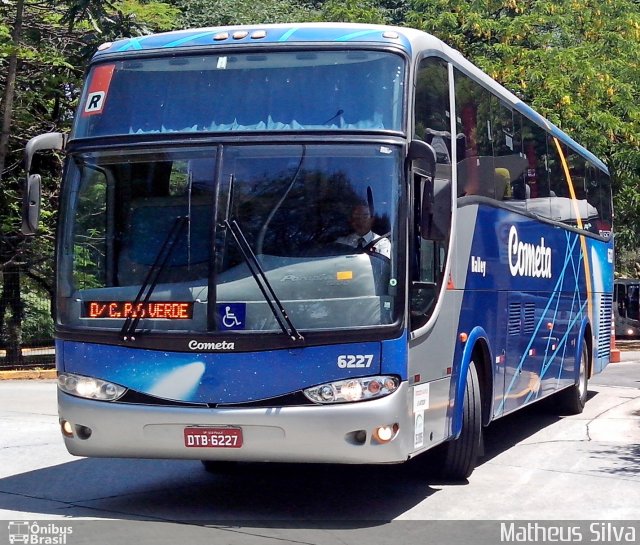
(537, 467)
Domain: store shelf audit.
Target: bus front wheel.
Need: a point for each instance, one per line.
(461, 454)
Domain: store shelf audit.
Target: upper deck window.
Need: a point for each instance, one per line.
(351, 90)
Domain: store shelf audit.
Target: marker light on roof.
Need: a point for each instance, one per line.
(221, 36)
(105, 45)
(390, 34)
(239, 34)
(257, 34)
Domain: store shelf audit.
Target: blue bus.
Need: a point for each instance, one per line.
(317, 242)
(626, 307)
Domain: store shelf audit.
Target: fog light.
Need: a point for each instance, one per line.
(360, 436)
(83, 432)
(384, 434)
(66, 428)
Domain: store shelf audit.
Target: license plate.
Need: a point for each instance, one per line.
(213, 437)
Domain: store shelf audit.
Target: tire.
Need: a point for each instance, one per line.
(461, 454)
(220, 467)
(573, 399)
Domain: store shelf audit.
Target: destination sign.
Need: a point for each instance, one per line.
(157, 310)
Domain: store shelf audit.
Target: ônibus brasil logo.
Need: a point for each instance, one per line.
(34, 533)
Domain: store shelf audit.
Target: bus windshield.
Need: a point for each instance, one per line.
(634, 301)
(320, 221)
(248, 91)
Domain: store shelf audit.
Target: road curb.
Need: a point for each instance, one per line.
(28, 374)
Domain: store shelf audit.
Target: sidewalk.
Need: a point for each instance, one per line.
(32, 355)
(28, 374)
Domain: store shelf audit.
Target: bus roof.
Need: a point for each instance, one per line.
(268, 33)
(408, 39)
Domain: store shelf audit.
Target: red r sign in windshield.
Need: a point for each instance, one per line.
(98, 88)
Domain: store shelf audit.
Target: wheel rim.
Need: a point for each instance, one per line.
(582, 384)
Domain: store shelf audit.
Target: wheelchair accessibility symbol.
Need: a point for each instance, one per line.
(231, 315)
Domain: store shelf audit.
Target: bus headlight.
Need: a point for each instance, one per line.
(353, 389)
(90, 388)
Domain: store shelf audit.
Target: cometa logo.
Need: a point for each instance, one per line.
(223, 345)
(527, 259)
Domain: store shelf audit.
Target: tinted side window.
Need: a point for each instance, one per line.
(598, 186)
(476, 168)
(509, 161)
(558, 180)
(592, 199)
(432, 116)
(536, 178)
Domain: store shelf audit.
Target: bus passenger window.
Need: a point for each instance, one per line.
(598, 185)
(536, 179)
(510, 163)
(476, 172)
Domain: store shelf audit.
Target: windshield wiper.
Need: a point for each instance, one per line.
(151, 280)
(279, 312)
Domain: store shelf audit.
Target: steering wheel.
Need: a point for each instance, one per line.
(368, 248)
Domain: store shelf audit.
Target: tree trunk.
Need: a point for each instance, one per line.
(11, 300)
(10, 87)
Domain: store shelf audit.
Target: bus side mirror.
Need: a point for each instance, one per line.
(31, 204)
(425, 155)
(33, 187)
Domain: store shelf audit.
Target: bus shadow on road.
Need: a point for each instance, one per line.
(174, 490)
(511, 429)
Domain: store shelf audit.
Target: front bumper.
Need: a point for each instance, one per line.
(315, 434)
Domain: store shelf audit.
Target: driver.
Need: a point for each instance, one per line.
(361, 221)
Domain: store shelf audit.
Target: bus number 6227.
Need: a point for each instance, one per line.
(355, 361)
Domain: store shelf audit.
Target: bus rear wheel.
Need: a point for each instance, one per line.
(461, 454)
(573, 399)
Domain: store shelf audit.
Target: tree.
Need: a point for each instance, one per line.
(368, 11)
(207, 13)
(44, 47)
(10, 299)
(575, 61)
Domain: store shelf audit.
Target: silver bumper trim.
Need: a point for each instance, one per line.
(315, 434)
